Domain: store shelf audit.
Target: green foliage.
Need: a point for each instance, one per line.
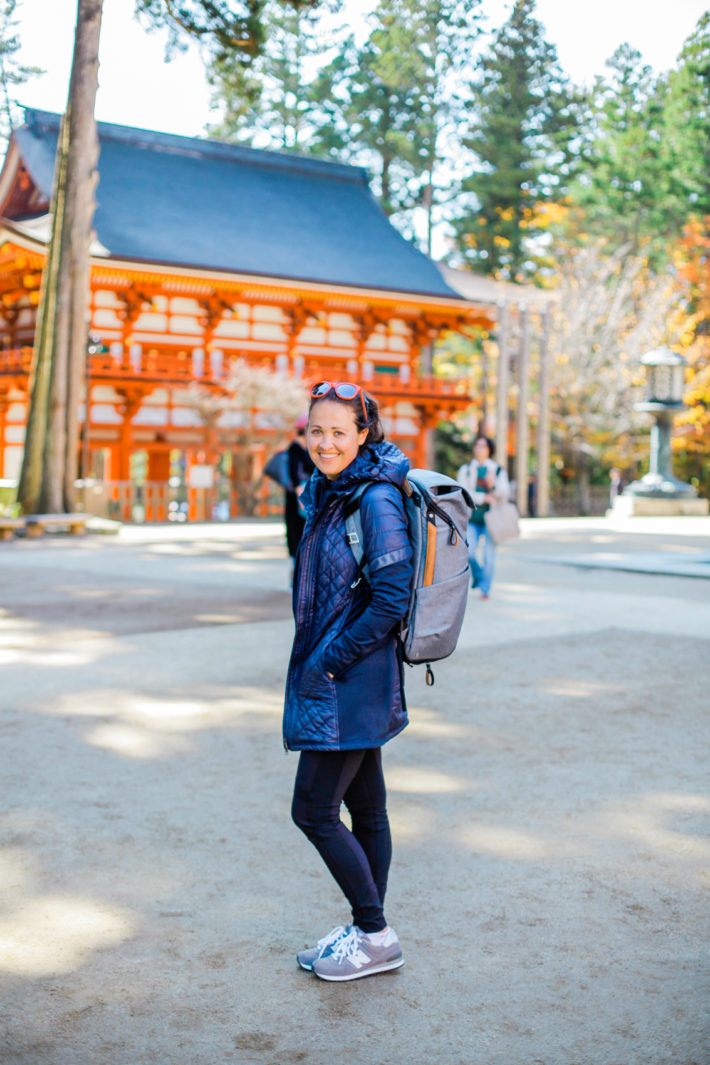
(647, 161)
(272, 99)
(388, 104)
(12, 73)
(378, 93)
(693, 468)
(621, 188)
(524, 124)
(229, 27)
(453, 446)
(685, 132)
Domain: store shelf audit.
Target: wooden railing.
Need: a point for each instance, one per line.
(16, 361)
(159, 501)
(161, 366)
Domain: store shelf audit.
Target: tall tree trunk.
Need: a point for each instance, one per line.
(50, 462)
(31, 474)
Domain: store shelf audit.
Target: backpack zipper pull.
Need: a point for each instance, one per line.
(429, 675)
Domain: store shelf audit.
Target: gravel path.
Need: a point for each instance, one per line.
(549, 804)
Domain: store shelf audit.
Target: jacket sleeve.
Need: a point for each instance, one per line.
(389, 557)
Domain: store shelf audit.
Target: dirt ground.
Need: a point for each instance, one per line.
(549, 804)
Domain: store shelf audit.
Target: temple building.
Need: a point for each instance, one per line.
(207, 255)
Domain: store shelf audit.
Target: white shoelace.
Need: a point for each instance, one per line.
(347, 947)
(332, 937)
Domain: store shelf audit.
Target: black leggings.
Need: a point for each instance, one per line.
(359, 860)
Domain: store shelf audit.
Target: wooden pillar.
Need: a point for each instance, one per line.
(523, 433)
(124, 449)
(4, 405)
(542, 481)
(424, 447)
(133, 303)
(503, 386)
(130, 405)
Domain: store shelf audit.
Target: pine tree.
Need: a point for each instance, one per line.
(524, 127)
(647, 168)
(392, 104)
(12, 73)
(376, 103)
(270, 101)
(622, 184)
(685, 128)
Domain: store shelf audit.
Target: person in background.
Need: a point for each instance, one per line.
(300, 468)
(616, 484)
(488, 484)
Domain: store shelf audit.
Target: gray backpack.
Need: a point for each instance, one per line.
(437, 509)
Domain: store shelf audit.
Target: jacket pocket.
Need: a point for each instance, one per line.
(316, 718)
(314, 679)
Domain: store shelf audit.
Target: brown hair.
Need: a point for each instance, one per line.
(375, 432)
(489, 441)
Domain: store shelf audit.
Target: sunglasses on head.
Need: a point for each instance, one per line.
(343, 390)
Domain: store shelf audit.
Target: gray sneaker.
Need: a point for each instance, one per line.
(354, 955)
(305, 958)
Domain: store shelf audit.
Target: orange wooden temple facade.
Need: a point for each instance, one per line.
(161, 328)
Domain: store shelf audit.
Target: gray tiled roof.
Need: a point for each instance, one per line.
(182, 200)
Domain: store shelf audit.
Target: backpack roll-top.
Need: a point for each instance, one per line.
(437, 509)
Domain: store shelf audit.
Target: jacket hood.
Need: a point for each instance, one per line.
(374, 462)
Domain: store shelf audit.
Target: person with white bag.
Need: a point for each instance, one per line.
(488, 484)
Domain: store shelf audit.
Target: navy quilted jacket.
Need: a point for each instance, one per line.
(350, 632)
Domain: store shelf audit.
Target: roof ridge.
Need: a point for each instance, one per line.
(178, 144)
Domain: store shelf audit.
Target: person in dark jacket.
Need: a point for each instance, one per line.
(300, 468)
(344, 690)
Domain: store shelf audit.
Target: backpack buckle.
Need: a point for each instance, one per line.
(352, 538)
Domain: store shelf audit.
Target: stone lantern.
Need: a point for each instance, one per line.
(659, 492)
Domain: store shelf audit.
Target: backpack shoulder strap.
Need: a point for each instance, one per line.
(353, 531)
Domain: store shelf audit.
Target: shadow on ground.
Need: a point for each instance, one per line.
(549, 806)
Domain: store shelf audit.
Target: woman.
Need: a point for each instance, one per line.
(344, 692)
(488, 484)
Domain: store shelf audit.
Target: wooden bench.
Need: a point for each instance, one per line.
(37, 524)
(9, 526)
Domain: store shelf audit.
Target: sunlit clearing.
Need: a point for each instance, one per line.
(411, 824)
(20, 633)
(425, 722)
(54, 935)
(169, 715)
(522, 591)
(76, 592)
(134, 742)
(503, 842)
(577, 689)
(417, 781)
(45, 658)
(168, 710)
(14, 872)
(556, 616)
(672, 824)
(140, 727)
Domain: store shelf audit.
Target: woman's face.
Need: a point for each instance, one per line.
(480, 450)
(333, 437)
